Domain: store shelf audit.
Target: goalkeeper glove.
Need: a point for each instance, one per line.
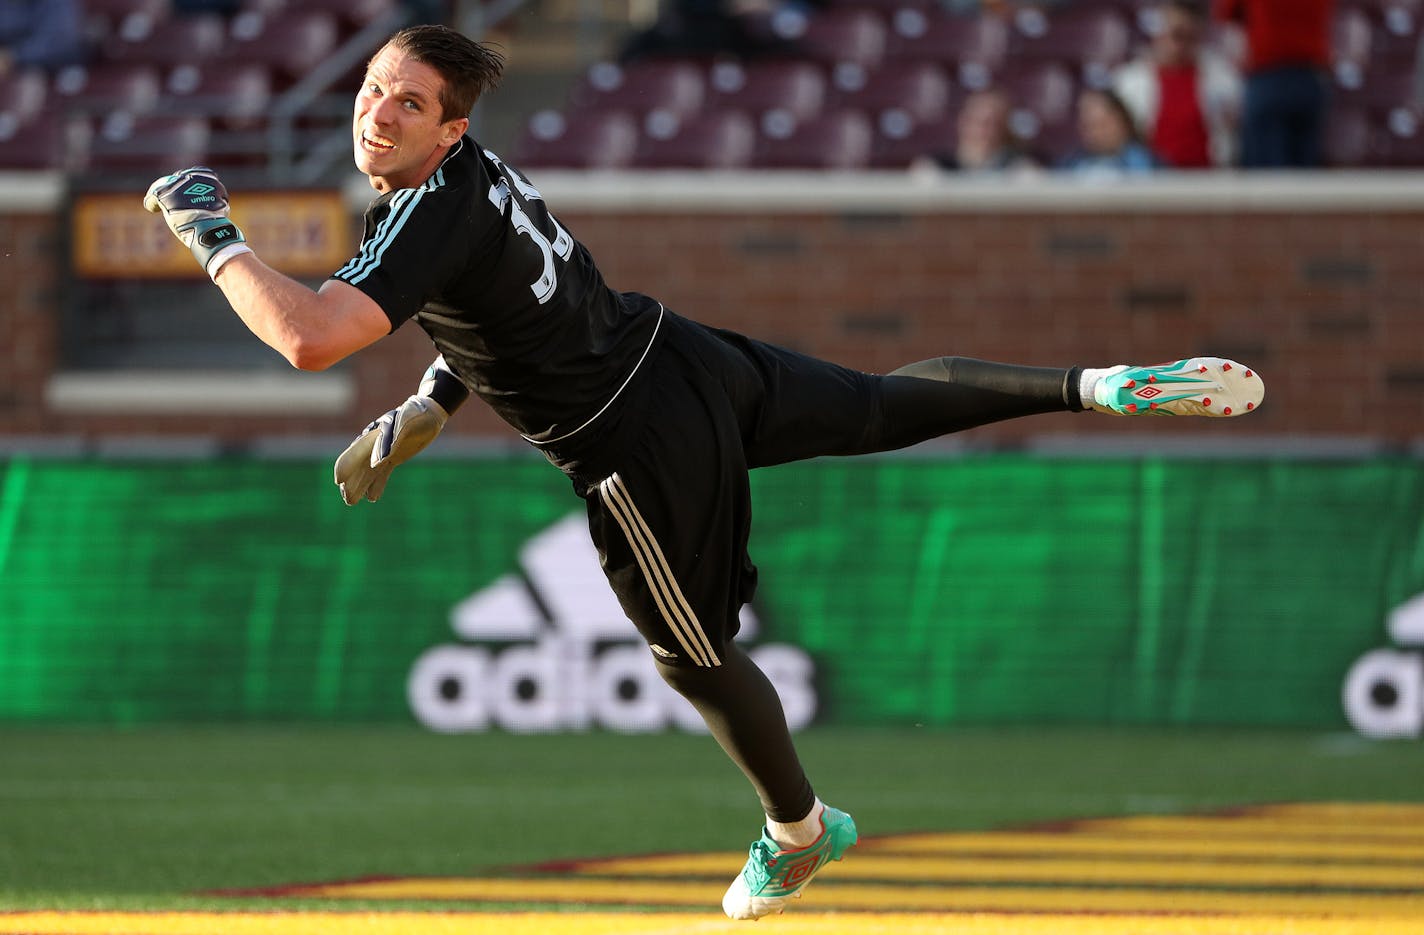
(194, 203)
(364, 467)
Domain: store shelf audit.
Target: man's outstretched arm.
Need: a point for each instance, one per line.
(312, 330)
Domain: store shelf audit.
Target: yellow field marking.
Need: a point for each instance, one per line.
(827, 894)
(1356, 813)
(545, 923)
(1029, 844)
(924, 869)
(1256, 826)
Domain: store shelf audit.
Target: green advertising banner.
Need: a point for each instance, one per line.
(990, 589)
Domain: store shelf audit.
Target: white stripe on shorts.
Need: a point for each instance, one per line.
(671, 603)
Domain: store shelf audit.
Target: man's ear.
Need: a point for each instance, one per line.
(454, 129)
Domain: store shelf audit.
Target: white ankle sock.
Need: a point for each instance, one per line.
(1088, 382)
(797, 833)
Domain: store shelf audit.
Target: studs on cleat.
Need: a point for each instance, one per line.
(1130, 384)
(1248, 373)
(1132, 407)
(1201, 369)
(1151, 405)
(1206, 400)
(1226, 411)
(1250, 406)
(1226, 366)
(1152, 378)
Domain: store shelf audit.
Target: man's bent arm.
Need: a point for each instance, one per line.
(313, 330)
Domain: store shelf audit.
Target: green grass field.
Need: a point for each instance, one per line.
(154, 818)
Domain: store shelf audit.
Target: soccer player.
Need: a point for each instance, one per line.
(655, 418)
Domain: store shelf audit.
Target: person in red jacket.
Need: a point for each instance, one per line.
(1288, 55)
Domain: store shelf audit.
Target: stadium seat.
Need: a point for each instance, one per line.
(148, 145)
(288, 43)
(23, 93)
(134, 87)
(233, 95)
(1047, 91)
(974, 47)
(838, 140)
(1092, 39)
(1351, 33)
(605, 139)
(356, 13)
(921, 91)
(48, 140)
(1347, 137)
(104, 18)
(722, 139)
(798, 88)
(895, 146)
(844, 34)
(178, 40)
(676, 87)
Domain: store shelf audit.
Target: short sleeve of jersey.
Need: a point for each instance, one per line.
(414, 245)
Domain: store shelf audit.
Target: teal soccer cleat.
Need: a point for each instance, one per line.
(1197, 386)
(772, 876)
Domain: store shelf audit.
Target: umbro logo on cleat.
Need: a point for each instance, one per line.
(1147, 392)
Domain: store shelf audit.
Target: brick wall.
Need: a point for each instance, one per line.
(1326, 303)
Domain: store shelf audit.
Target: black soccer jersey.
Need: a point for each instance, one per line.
(513, 302)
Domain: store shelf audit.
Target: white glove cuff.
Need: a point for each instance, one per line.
(223, 255)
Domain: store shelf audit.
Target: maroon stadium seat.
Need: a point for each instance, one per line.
(236, 96)
(838, 140)
(922, 91)
(1047, 90)
(896, 147)
(719, 140)
(356, 13)
(289, 43)
(604, 139)
(178, 40)
(48, 140)
(844, 34)
(107, 86)
(676, 87)
(973, 47)
(148, 145)
(796, 87)
(1092, 39)
(23, 93)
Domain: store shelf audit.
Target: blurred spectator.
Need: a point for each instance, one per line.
(1108, 143)
(40, 33)
(985, 141)
(1288, 57)
(1184, 97)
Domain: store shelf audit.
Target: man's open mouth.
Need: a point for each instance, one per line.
(376, 144)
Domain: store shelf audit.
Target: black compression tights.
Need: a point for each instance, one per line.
(951, 394)
(917, 402)
(742, 710)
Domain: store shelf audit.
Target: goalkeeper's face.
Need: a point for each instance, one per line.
(397, 132)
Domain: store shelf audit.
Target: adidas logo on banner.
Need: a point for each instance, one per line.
(550, 649)
(1384, 690)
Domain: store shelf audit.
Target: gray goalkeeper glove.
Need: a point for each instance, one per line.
(194, 203)
(364, 467)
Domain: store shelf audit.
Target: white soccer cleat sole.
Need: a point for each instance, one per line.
(1197, 386)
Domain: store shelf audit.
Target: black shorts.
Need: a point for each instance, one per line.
(670, 506)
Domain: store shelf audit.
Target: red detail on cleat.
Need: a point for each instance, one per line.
(1201, 369)
(1250, 406)
(1152, 378)
(1151, 405)
(1130, 384)
(1132, 407)
(1206, 400)
(1225, 367)
(1226, 411)
(1248, 373)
